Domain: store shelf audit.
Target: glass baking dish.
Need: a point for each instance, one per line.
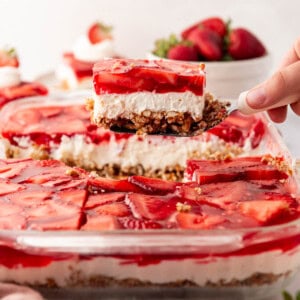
(207, 264)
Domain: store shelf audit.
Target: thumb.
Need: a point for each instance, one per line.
(281, 89)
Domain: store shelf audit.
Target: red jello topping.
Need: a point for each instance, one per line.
(47, 195)
(124, 76)
(25, 89)
(82, 69)
(45, 124)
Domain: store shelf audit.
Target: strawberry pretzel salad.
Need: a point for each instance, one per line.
(218, 212)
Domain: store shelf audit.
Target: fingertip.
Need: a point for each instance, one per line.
(278, 115)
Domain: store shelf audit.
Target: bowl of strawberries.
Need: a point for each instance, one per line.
(235, 59)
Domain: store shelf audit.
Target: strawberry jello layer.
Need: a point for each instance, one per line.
(153, 97)
(215, 234)
(61, 129)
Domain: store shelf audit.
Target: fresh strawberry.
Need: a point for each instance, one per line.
(194, 221)
(150, 207)
(154, 185)
(207, 42)
(9, 58)
(258, 130)
(103, 198)
(99, 32)
(183, 52)
(243, 44)
(263, 211)
(132, 223)
(8, 187)
(215, 24)
(101, 222)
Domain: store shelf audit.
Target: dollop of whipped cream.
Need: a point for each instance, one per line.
(9, 76)
(86, 51)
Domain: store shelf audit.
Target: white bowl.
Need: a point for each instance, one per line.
(227, 79)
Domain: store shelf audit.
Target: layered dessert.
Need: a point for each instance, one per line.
(154, 97)
(11, 85)
(33, 128)
(218, 234)
(76, 69)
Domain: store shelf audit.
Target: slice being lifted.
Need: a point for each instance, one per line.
(153, 97)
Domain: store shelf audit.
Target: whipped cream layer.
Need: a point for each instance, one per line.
(200, 271)
(9, 76)
(86, 51)
(113, 106)
(134, 151)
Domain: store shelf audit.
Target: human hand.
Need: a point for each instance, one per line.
(277, 92)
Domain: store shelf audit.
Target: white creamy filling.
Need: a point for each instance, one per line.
(65, 73)
(9, 76)
(199, 271)
(136, 150)
(122, 105)
(86, 51)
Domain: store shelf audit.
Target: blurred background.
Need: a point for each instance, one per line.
(42, 29)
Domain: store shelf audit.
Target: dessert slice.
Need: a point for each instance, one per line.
(32, 128)
(11, 85)
(153, 97)
(76, 70)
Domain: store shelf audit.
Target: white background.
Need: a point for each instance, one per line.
(42, 29)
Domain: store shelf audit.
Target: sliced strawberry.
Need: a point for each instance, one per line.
(150, 207)
(8, 187)
(132, 223)
(103, 198)
(113, 209)
(224, 194)
(99, 32)
(263, 211)
(12, 170)
(8, 209)
(154, 185)
(15, 222)
(244, 45)
(207, 42)
(110, 185)
(23, 90)
(9, 58)
(257, 132)
(50, 111)
(53, 215)
(26, 116)
(74, 197)
(245, 168)
(68, 222)
(189, 192)
(194, 221)
(29, 198)
(101, 222)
